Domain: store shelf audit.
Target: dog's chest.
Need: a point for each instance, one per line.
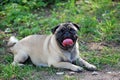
(69, 57)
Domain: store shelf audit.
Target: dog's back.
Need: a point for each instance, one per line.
(27, 42)
(33, 46)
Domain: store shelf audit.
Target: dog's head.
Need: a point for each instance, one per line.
(66, 34)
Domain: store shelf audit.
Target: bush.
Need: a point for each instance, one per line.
(99, 20)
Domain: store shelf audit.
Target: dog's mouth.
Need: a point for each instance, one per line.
(68, 42)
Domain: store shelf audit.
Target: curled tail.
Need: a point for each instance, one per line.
(12, 41)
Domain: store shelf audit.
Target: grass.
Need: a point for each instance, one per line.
(106, 57)
(99, 22)
(15, 72)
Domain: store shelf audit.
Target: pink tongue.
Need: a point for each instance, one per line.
(67, 42)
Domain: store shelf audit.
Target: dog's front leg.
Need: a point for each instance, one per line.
(87, 65)
(68, 65)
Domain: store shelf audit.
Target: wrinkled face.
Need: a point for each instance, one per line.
(66, 35)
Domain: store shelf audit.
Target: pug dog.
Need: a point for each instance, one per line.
(60, 49)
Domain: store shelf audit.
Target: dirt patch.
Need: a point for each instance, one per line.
(101, 75)
(95, 46)
(101, 45)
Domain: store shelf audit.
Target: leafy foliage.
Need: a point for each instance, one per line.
(99, 20)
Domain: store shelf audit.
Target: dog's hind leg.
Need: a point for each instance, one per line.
(19, 58)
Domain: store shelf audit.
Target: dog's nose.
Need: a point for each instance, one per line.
(67, 34)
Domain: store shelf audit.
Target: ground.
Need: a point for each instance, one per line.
(102, 75)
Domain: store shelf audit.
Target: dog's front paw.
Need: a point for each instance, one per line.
(91, 67)
(78, 69)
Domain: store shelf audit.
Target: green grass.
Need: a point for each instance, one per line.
(67, 77)
(99, 22)
(7, 71)
(106, 57)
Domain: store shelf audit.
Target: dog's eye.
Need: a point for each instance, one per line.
(71, 29)
(62, 30)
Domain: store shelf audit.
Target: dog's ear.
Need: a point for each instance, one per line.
(54, 29)
(76, 25)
